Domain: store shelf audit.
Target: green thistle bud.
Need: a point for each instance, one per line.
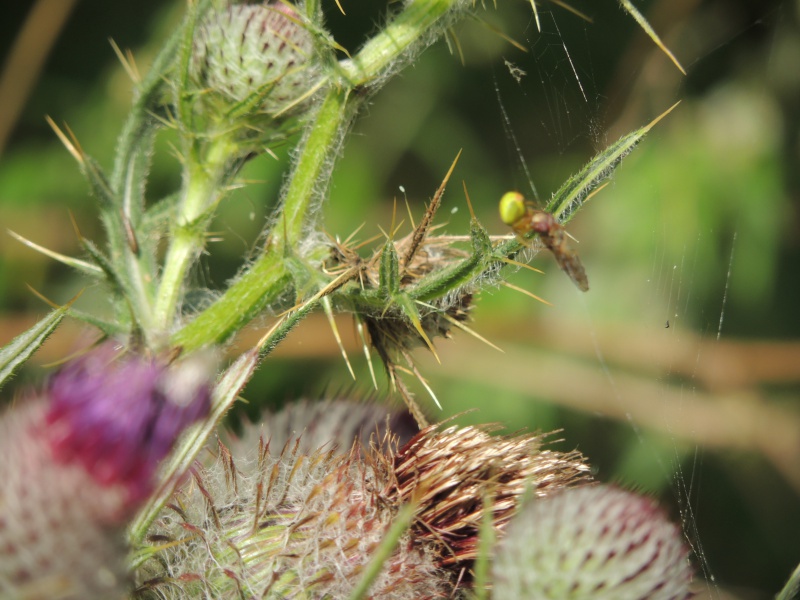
(252, 61)
(594, 542)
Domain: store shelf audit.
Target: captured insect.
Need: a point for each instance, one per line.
(524, 218)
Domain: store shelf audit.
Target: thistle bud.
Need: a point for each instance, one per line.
(593, 542)
(252, 59)
(285, 525)
(76, 461)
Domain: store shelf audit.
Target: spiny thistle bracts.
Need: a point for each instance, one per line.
(288, 526)
(330, 424)
(300, 522)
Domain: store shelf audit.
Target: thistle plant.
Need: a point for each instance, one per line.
(116, 457)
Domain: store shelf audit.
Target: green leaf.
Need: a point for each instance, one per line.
(487, 538)
(389, 270)
(439, 283)
(22, 347)
(791, 591)
(401, 523)
(578, 188)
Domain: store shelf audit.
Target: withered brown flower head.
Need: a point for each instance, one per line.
(449, 472)
(391, 332)
(411, 291)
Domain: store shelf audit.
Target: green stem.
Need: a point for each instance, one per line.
(399, 39)
(263, 282)
(323, 139)
(206, 174)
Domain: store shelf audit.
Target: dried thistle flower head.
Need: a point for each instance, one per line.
(450, 472)
(594, 542)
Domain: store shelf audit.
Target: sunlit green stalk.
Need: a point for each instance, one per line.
(206, 175)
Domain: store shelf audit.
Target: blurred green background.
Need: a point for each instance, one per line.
(677, 374)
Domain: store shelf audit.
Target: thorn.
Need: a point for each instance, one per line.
(410, 216)
(418, 326)
(72, 356)
(422, 230)
(49, 302)
(573, 10)
(504, 36)
(326, 306)
(339, 4)
(639, 18)
(394, 217)
(594, 192)
(516, 263)
(301, 99)
(365, 346)
(350, 237)
(75, 225)
(72, 146)
(652, 123)
(130, 234)
(272, 330)
(536, 16)
(451, 35)
(408, 398)
(126, 59)
(75, 263)
(471, 332)
(415, 372)
(367, 242)
(527, 293)
(469, 203)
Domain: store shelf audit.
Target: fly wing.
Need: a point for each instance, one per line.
(556, 241)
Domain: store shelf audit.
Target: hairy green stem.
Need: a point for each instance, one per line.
(404, 35)
(206, 175)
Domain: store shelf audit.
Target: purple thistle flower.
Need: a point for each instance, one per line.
(119, 417)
